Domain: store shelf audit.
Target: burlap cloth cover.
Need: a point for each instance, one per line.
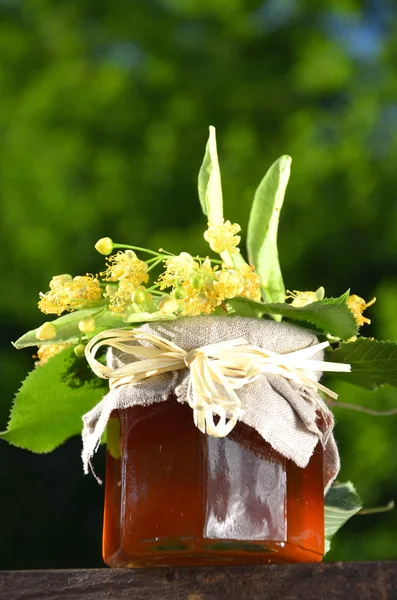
(291, 417)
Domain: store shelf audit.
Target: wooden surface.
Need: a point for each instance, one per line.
(327, 581)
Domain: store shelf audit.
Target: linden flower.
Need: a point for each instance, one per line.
(301, 298)
(84, 289)
(67, 294)
(47, 351)
(121, 296)
(222, 237)
(199, 292)
(177, 268)
(252, 283)
(197, 302)
(230, 283)
(357, 305)
(126, 265)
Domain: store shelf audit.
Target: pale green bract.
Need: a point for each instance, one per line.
(209, 182)
(67, 327)
(146, 317)
(263, 227)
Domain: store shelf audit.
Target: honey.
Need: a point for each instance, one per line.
(174, 496)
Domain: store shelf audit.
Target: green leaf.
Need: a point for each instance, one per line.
(263, 227)
(48, 408)
(209, 182)
(341, 503)
(373, 362)
(238, 306)
(68, 327)
(330, 315)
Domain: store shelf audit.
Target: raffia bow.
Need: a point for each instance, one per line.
(216, 371)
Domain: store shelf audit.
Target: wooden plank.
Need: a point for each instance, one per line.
(327, 581)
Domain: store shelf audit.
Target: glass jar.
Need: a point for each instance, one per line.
(175, 496)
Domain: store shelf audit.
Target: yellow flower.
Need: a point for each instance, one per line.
(252, 283)
(222, 237)
(83, 289)
(232, 282)
(47, 351)
(177, 268)
(68, 294)
(357, 305)
(126, 265)
(197, 302)
(301, 298)
(46, 331)
(104, 246)
(229, 283)
(121, 296)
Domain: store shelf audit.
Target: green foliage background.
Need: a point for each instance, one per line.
(104, 114)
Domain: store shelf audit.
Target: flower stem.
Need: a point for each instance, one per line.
(136, 248)
(154, 264)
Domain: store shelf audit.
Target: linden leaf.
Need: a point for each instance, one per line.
(330, 315)
(209, 182)
(373, 362)
(68, 330)
(341, 503)
(263, 228)
(48, 408)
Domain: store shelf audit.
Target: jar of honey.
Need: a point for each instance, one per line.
(176, 497)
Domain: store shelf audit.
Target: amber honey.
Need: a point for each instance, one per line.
(175, 496)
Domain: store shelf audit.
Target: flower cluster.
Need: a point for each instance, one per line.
(187, 286)
(197, 287)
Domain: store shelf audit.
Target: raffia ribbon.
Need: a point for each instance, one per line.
(216, 371)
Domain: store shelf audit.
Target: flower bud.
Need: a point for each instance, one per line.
(179, 293)
(47, 331)
(139, 296)
(197, 281)
(87, 325)
(104, 246)
(79, 350)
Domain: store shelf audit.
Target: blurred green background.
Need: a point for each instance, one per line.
(104, 114)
